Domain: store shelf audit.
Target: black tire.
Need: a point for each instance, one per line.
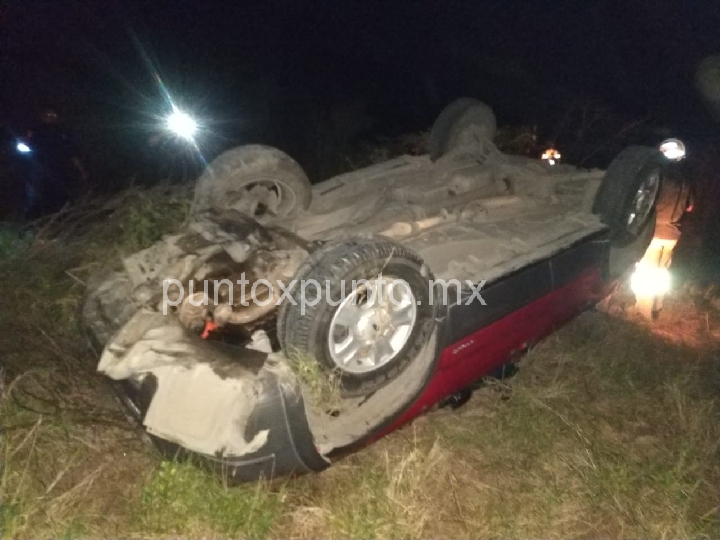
(634, 166)
(231, 174)
(623, 257)
(347, 260)
(456, 117)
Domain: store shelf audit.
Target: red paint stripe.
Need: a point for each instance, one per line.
(490, 347)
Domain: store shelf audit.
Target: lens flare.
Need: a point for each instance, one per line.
(648, 280)
(182, 124)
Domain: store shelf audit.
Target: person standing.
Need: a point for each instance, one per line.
(59, 176)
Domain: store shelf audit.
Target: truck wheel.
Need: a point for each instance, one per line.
(627, 195)
(256, 180)
(462, 122)
(341, 315)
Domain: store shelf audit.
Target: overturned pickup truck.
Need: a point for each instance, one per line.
(395, 287)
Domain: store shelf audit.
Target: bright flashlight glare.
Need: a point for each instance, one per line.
(551, 155)
(23, 148)
(649, 281)
(182, 124)
(673, 149)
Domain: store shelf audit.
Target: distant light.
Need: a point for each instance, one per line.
(551, 155)
(182, 124)
(673, 149)
(23, 148)
(648, 280)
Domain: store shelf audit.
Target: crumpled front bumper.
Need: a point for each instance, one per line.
(288, 450)
(240, 409)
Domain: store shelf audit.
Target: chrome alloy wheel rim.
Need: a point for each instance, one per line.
(372, 325)
(643, 203)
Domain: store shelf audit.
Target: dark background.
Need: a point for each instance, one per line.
(317, 77)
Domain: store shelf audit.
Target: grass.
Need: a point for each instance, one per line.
(610, 429)
(320, 386)
(207, 504)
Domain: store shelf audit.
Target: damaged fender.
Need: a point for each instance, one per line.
(238, 407)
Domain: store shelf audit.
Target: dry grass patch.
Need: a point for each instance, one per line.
(71, 463)
(321, 387)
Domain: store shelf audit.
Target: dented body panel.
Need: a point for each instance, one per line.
(523, 228)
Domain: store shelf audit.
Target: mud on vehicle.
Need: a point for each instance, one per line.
(230, 373)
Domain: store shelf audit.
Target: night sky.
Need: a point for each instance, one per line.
(277, 71)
